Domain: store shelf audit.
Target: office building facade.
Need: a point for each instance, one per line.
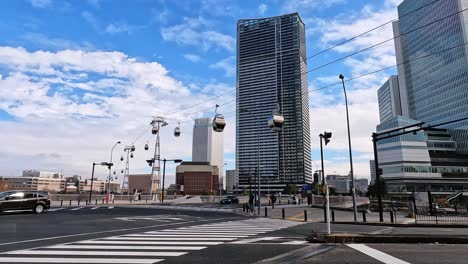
(272, 74)
(432, 71)
(231, 181)
(389, 99)
(208, 145)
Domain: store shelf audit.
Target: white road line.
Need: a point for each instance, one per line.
(98, 253)
(378, 255)
(230, 227)
(103, 242)
(295, 242)
(175, 231)
(110, 207)
(127, 247)
(55, 209)
(246, 241)
(78, 260)
(78, 208)
(94, 208)
(118, 238)
(183, 235)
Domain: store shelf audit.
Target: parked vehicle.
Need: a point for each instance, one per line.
(36, 201)
(292, 200)
(229, 200)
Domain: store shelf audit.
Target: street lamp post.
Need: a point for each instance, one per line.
(243, 110)
(325, 136)
(353, 191)
(110, 167)
(219, 183)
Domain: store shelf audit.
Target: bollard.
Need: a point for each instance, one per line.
(113, 200)
(333, 216)
(102, 202)
(131, 200)
(79, 202)
(282, 212)
(95, 202)
(269, 202)
(146, 200)
(364, 216)
(391, 217)
(266, 212)
(61, 203)
(70, 202)
(243, 208)
(305, 215)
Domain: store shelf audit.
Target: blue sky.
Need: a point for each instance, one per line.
(76, 76)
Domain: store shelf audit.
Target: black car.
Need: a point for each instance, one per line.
(230, 200)
(24, 200)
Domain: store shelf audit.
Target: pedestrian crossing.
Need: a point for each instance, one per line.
(79, 208)
(148, 247)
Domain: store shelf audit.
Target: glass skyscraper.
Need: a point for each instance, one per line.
(271, 73)
(389, 99)
(434, 88)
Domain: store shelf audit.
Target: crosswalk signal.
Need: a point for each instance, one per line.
(326, 137)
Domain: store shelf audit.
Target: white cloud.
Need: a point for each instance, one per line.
(91, 19)
(56, 43)
(40, 3)
(262, 8)
(70, 106)
(301, 5)
(117, 28)
(196, 32)
(192, 57)
(228, 65)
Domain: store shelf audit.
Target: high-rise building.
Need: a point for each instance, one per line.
(272, 74)
(231, 181)
(389, 99)
(207, 145)
(372, 170)
(434, 87)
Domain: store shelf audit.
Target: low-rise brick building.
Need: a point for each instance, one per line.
(197, 178)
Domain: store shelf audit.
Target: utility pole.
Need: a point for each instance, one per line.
(325, 136)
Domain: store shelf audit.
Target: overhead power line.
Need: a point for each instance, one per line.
(389, 67)
(370, 30)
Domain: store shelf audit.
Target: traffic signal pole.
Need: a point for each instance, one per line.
(377, 177)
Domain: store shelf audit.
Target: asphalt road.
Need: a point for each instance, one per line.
(105, 234)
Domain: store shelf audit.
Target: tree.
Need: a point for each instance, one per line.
(315, 188)
(372, 190)
(332, 190)
(290, 189)
(3, 185)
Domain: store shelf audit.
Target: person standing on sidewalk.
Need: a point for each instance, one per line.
(251, 203)
(273, 201)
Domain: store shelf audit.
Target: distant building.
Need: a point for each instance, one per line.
(232, 181)
(208, 145)
(171, 190)
(42, 174)
(341, 183)
(52, 185)
(114, 187)
(197, 178)
(372, 170)
(361, 184)
(98, 186)
(139, 183)
(389, 99)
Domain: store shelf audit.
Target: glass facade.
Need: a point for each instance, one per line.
(271, 61)
(436, 86)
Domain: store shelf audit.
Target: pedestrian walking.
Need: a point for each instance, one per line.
(251, 202)
(273, 201)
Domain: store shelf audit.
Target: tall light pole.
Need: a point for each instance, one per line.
(110, 167)
(353, 191)
(244, 110)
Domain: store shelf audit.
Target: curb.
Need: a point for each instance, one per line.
(397, 239)
(401, 225)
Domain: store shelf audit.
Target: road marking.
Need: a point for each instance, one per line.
(103, 242)
(55, 209)
(76, 209)
(195, 231)
(246, 241)
(127, 247)
(110, 207)
(98, 253)
(103, 232)
(94, 208)
(78, 260)
(295, 242)
(168, 238)
(184, 235)
(378, 255)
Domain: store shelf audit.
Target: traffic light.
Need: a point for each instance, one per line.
(316, 177)
(326, 137)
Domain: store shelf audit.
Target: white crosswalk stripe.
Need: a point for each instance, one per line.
(149, 247)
